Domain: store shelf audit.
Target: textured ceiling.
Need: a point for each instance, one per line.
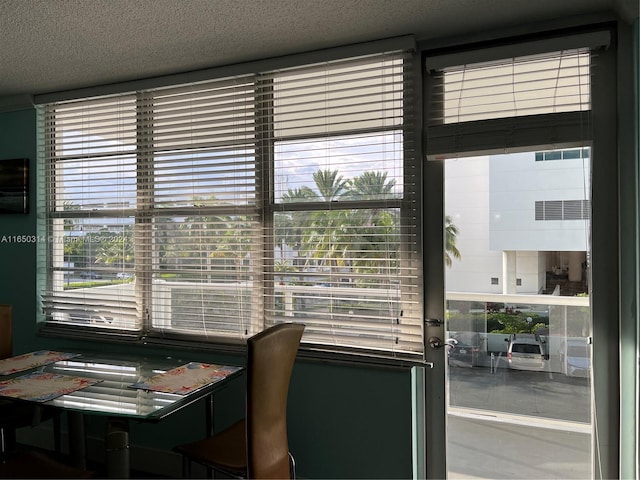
(53, 45)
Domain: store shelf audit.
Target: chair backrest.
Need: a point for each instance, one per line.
(270, 358)
(6, 333)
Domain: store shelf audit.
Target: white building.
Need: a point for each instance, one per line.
(523, 221)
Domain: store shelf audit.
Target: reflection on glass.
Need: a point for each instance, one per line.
(114, 395)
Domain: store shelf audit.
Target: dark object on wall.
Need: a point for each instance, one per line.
(14, 185)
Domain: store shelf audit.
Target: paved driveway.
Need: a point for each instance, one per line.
(540, 394)
(517, 425)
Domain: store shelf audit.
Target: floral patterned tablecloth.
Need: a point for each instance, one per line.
(31, 360)
(186, 378)
(42, 386)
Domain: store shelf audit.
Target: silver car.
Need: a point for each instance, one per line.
(575, 358)
(525, 352)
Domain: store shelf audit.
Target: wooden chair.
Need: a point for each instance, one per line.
(257, 446)
(19, 462)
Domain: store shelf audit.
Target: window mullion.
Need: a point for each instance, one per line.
(143, 232)
(265, 196)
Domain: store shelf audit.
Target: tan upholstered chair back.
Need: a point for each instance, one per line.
(270, 358)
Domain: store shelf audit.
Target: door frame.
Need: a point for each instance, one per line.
(605, 279)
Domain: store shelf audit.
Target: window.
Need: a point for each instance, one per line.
(562, 210)
(573, 153)
(215, 209)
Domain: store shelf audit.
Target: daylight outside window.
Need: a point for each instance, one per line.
(210, 211)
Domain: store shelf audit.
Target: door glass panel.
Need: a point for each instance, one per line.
(518, 320)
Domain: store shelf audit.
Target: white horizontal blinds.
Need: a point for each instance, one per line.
(358, 94)
(472, 108)
(238, 203)
(537, 84)
(206, 227)
(90, 167)
(344, 251)
(203, 144)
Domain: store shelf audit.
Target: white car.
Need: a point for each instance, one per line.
(575, 358)
(526, 352)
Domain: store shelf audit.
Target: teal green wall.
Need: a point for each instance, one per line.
(17, 281)
(344, 422)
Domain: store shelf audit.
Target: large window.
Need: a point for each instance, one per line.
(212, 210)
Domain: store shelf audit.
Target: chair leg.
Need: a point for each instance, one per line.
(7, 440)
(292, 466)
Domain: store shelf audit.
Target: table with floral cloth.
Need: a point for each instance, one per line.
(186, 378)
(43, 386)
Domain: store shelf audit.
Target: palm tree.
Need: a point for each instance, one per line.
(330, 185)
(326, 237)
(451, 234)
(290, 225)
(370, 186)
(362, 239)
(374, 243)
(216, 242)
(301, 194)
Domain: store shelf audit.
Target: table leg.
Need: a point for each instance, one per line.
(210, 420)
(117, 449)
(77, 440)
(210, 424)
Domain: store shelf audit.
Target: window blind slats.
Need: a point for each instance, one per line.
(351, 97)
(344, 271)
(473, 107)
(221, 207)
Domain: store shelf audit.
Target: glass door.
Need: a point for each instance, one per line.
(520, 187)
(517, 328)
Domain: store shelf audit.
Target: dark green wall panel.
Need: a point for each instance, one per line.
(17, 275)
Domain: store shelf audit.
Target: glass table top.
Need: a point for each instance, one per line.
(114, 394)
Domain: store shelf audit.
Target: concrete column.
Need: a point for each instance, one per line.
(575, 266)
(508, 272)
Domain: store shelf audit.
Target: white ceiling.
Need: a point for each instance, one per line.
(53, 45)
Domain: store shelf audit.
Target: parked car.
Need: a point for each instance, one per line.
(575, 358)
(92, 275)
(123, 276)
(461, 354)
(526, 352)
(91, 316)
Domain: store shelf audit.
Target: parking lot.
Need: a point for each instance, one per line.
(505, 423)
(537, 394)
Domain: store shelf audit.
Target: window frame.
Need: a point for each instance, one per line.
(266, 206)
(604, 216)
